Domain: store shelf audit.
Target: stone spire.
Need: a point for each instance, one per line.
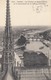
(8, 52)
(8, 14)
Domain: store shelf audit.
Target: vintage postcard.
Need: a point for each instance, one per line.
(25, 40)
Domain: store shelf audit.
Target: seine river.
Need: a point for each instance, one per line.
(35, 46)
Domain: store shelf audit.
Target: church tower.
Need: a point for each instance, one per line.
(8, 49)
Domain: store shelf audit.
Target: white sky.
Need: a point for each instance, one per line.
(25, 15)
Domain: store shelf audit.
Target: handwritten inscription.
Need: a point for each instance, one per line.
(37, 5)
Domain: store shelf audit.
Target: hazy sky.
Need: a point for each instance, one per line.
(25, 15)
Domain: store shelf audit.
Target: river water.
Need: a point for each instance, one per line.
(35, 46)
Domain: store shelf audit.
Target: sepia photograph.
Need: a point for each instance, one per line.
(25, 40)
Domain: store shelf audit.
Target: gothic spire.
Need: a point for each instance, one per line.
(8, 14)
(8, 31)
(8, 39)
